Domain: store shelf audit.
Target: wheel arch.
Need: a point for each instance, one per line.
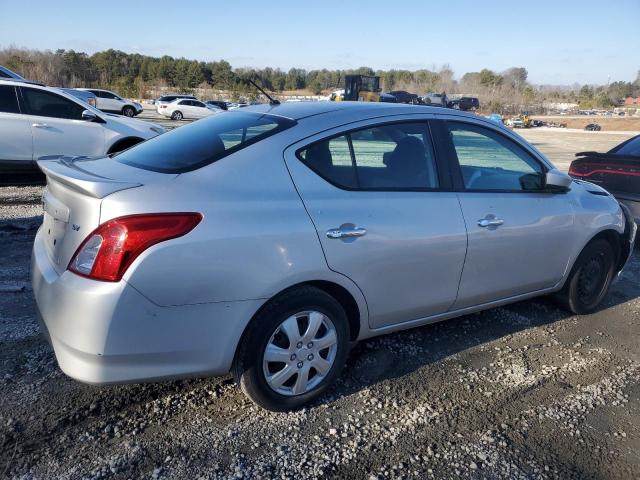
(353, 303)
(613, 237)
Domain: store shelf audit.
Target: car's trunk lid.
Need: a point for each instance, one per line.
(73, 196)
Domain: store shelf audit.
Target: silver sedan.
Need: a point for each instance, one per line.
(267, 240)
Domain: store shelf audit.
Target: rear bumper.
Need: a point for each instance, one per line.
(105, 332)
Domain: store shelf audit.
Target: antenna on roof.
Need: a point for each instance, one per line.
(272, 101)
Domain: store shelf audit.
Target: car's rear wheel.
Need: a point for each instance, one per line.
(177, 115)
(590, 278)
(128, 111)
(293, 350)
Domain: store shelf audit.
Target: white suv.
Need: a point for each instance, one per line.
(108, 101)
(38, 121)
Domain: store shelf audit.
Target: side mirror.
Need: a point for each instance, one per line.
(89, 116)
(557, 181)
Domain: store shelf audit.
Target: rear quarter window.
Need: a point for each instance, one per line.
(203, 142)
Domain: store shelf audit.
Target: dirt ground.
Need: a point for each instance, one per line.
(561, 144)
(607, 123)
(522, 391)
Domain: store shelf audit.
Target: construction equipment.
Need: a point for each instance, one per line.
(524, 116)
(359, 88)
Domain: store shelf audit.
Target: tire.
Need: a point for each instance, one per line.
(128, 111)
(590, 278)
(177, 115)
(272, 383)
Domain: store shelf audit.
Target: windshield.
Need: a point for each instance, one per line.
(630, 147)
(203, 142)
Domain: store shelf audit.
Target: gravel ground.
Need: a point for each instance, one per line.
(523, 391)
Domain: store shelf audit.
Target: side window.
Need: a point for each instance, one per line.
(47, 104)
(395, 157)
(8, 99)
(490, 161)
(198, 104)
(331, 159)
(108, 95)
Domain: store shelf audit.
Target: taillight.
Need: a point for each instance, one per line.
(109, 250)
(578, 170)
(588, 169)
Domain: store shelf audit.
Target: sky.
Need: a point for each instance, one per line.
(559, 42)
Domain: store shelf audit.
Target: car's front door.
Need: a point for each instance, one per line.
(518, 232)
(57, 126)
(16, 146)
(384, 216)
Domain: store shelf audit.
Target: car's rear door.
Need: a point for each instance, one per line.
(184, 106)
(385, 215)
(199, 109)
(111, 102)
(518, 232)
(16, 146)
(57, 126)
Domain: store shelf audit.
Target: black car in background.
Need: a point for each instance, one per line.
(617, 171)
(465, 103)
(218, 103)
(399, 96)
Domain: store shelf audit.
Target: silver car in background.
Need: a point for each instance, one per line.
(267, 240)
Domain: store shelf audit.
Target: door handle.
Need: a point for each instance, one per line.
(40, 125)
(346, 232)
(490, 222)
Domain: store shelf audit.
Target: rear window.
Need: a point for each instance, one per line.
(203, 142)
(631, 147)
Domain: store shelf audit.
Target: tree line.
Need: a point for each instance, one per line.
(136, 75)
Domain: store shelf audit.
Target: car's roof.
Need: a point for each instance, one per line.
(85, 89)
(299, 110)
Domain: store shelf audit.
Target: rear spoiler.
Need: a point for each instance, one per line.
(66, 171)
(609, 156)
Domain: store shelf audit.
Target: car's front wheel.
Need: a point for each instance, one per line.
(294, 349)
(590, 278)
(128, 111)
